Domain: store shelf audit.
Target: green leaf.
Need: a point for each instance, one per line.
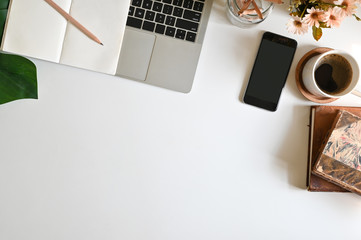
(317, 33)
(3, 13)
(4, 4)
(323, 25)
(17, 74)
(17, 78)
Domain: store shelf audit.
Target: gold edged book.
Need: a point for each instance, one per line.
(339, 159)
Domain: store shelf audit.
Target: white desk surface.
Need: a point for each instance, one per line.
(100, 157)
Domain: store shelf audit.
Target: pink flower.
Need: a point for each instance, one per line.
(333, 17)
(296, 26)
(349, 7)
(314, 17)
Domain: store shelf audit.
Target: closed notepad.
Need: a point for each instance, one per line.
(340, 158)
(35, 29)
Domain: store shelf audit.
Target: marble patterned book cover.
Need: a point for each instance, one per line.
(340, 158)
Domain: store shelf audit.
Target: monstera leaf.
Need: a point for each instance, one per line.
(3, 12)
(17, 74)
(17, 78)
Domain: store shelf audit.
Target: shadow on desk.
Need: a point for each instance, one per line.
(251, 55)
(291, 81)
(293, 151)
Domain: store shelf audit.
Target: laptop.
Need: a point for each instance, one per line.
(162, 42)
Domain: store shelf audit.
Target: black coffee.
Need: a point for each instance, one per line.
(334, 74)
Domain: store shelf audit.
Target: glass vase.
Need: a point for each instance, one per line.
(249, 17)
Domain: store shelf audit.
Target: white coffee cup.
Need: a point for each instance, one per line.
(312, 65)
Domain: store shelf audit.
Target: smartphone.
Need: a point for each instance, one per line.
(270, 71)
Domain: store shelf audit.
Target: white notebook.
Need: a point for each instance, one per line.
(35, 29)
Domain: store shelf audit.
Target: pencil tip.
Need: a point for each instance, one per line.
(102, 44)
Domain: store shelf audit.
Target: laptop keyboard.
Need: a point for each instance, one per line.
(174, 18)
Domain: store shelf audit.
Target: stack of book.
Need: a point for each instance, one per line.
(334, 149)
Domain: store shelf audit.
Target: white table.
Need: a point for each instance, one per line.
(100, 157)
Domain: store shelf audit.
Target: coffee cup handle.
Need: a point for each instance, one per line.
(356, 93)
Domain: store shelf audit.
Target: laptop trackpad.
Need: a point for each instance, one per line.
(135, 55)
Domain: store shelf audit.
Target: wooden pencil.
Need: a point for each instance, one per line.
(258, 11)
(73, 21)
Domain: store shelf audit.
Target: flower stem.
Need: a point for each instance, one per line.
(333, 5)
(304, 10)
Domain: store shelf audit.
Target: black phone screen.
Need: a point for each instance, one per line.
(270, 71)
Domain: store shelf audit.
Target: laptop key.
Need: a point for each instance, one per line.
(139, 13)
(131, 11)
(137, 3)
(160, 18)
(170, 20)
(178, 3)
(149, 26)
(191, 15)
(188, 4)
(167, 1)
(157, 7)
(167, 9)
(147, 4)
(149, 15)
(191, 36)
(177, 12)
(134, 22)
(180, 34)
(160, 29)
(187, 25)
(170, 31)
(198, 6)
